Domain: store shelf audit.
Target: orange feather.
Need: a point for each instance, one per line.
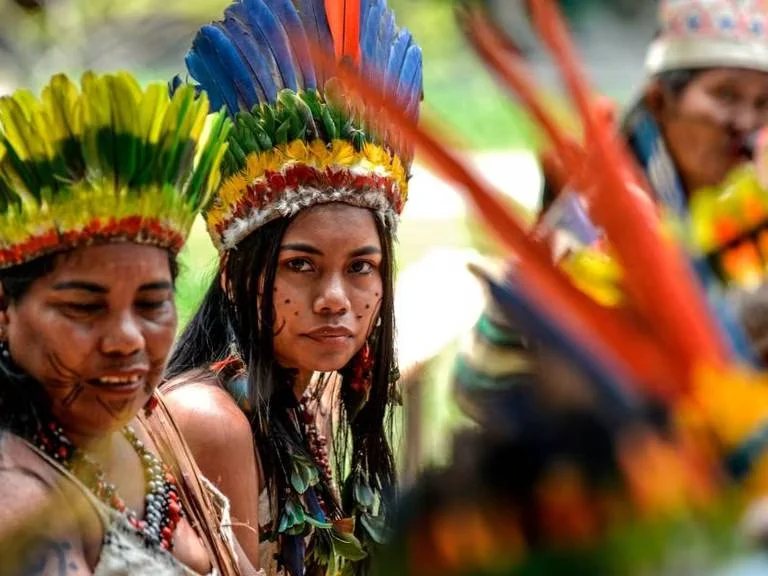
(344, 21)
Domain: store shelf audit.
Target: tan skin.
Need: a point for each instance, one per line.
(103, 312)
(705, 125)
(327, 293)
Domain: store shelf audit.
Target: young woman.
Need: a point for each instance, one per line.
(99, 191)
(705, 97)
(304, 221)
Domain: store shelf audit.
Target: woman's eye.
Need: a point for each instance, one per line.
(81, 309)
(728, 95)
(299, 265)
(151, 305)
(361, 267)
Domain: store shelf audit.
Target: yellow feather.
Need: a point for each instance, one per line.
(123, 97)
(153, 110)
(60, 98)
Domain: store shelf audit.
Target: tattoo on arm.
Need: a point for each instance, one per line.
(51, 558)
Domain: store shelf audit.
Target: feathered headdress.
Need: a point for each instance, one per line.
(297, 140)
(112, 162)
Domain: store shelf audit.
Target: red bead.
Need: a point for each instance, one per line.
(173, 496)
(174, 510)
(164, 545)
(63, 452)
(166, 533)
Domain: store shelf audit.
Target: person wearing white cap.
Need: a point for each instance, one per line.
(705, 95)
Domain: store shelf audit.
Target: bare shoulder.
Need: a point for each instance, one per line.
(40, 530)
(208, 417)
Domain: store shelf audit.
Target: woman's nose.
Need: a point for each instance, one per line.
(747, 119)
(123, 336)
(332, 296)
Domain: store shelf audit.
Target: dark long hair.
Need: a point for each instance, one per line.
(238, 316)
(22, 401)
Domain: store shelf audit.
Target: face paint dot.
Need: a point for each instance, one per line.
(359, 316)
(367, 306)
(287, 301)
(295, 313)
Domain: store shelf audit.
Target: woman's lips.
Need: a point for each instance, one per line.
(333, 335)
(119, 384)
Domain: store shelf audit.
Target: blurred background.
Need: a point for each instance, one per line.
(437, 299)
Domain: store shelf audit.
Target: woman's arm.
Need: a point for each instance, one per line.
(220, 438)
(39, 533)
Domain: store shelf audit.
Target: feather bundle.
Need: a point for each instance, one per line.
(78, 159)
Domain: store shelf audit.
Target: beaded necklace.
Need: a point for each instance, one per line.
(163, 507)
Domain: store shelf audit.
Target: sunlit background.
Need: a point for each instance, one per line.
(438, 301)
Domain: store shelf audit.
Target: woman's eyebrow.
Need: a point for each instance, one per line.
(159, 285)
(80, 285)
(301, 247)
(365, 251)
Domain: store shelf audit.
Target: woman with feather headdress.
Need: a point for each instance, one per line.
(691, 132)
(304, 221)
(99, 187)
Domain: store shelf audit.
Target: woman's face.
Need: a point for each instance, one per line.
(328, 287)
(95, 332)
(706, 124)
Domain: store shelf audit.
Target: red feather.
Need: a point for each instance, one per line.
(344, 21)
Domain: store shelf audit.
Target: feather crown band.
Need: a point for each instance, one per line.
(109, 162)
(298, 141)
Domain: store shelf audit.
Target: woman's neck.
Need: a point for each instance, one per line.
(301, 382)
(99, 447)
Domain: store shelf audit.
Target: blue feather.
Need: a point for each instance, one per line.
(369, 34)
(609, 381)
(249, 51)
(408, 77)
(232, 65)
(315, 22)
(289, 17)
(270, 35)
(310, 497)
(199, 70)
(397, 58)
(386, 38)
(411, 106)
(293, 553)
(175, 83)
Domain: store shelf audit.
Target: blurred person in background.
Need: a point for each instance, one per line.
(304, 221)
(705, 97)
(99, 189)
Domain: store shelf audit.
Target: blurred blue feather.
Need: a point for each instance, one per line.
(613, 387)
